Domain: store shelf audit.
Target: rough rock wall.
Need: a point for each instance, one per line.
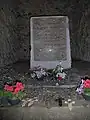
(14, 26)
(23, 12)
(81, 37)
(77, 20)
(9, 44)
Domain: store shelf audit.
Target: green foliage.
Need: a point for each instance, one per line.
(87, 90)
(88, 94)
(5, 94)
(1, 93)
(20, 95)
(10, 95)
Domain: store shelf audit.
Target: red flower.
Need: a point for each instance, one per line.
(8, 88)
(59, 78)
(19, 87)
(16, 90)
(87, 83)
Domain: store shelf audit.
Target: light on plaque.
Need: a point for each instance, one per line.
(50, 50)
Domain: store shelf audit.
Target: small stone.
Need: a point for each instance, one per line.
(57, 84)
(69, 100)
(66, 102)
(36, 100)
(24, 103)
(30, 103)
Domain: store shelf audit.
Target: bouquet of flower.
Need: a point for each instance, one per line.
(87, 87)
(59, 73)
(14, 88)
(38, 73)
(84, 86)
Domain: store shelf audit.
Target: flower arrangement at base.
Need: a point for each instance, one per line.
(84, 87)
(12, 96)
(86, 93)
(18, 86)
(38, 72)
(59, 73)
(13, 91)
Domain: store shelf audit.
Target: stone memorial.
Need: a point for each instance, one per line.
(50, 41)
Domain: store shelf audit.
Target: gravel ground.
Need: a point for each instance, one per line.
(47, 96)
(17, 70)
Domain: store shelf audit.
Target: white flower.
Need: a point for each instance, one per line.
(33, 75)
(61, 75)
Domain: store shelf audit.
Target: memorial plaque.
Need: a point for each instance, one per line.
(50, 41)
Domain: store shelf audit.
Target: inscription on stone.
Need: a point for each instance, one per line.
(49, 38)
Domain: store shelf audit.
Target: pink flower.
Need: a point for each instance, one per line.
(16, 90)
(20, 86)
(8, 88)
(87, 84)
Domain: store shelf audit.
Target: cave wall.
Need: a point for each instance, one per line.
(14, 26)
(9, 44)
(24, 11)
(77, 11)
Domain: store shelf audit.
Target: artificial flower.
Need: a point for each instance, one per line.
(87, 83)
(59, 78)
(8, 88)
(20, 86)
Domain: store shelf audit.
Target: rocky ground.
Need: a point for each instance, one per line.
(20, 69)
(46, 91)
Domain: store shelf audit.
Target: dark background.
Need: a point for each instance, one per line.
(14, 26)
